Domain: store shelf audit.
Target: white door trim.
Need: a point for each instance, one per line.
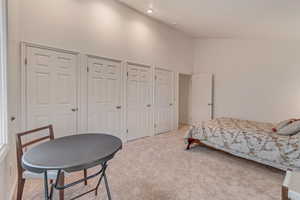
(41, 46)
(176, 101)
(104, 58)
(24, 46)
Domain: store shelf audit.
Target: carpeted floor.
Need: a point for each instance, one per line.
(158, 168)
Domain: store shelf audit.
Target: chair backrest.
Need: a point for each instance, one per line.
(20, 146)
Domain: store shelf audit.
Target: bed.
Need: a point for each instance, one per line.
(248, 139)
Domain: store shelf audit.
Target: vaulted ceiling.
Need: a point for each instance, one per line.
(226, 18)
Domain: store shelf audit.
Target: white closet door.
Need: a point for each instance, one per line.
(163, 100)
(139, 101)
(104, 96)
(51, 94)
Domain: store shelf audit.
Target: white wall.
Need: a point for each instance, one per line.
(8, 165)
(253, 79)
(99, 27)
(105, 28)
(185, 99)
(256, 80)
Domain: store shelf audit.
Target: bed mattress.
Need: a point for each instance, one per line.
(251, 140)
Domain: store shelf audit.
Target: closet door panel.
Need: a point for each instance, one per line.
(139, 101)
(133, 112)
(146, 100)
(163, 100)
(51, 90)
(104, 96)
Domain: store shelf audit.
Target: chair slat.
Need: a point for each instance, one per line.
(34, 130)
(35, 141)
(20, 146)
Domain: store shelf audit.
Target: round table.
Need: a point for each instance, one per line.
(72, 153)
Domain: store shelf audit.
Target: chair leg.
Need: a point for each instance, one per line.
(21, 183)
(85, 175)
(61, 183)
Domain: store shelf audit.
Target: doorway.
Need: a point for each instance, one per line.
(185, 100)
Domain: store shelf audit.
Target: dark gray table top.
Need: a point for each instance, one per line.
(71, 153)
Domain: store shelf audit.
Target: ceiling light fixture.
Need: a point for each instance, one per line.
(149, 11)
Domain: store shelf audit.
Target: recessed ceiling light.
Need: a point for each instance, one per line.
(149, 11)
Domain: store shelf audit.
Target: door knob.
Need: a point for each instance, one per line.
(170, 104)
(118, 107)
(74, 109)
(12, 118)
(149, 105)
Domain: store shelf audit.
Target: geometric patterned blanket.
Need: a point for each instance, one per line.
(251, 140)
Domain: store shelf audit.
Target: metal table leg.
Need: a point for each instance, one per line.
(47, 195)
(104, 166)
(101, 173)
(106, 186)
(46, 185)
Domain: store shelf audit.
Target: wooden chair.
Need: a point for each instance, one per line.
(24, 174)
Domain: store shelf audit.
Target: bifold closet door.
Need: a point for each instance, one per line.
(51, 85)
(104, 96)
(163, 100)
(139, 94)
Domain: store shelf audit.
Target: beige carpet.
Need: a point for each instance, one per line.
(158, 168)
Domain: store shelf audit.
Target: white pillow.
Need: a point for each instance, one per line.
(290, 129)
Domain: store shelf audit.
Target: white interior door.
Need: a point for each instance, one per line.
(51, 90)
(104, 96)
(164, 100)
(202, 101)
(139, 101)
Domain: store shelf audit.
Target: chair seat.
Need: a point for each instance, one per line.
(51, 175)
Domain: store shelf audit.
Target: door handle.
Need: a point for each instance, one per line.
(149, 105)
(170, 104)
(74, 109)
(210, 104)
(118, 107)
(13, 118)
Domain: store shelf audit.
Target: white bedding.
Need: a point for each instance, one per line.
(251, 140)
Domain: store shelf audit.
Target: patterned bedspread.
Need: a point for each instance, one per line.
(251, 140)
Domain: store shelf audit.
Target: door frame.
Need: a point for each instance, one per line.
(174, 99)
(24, 46)
(84, 91)
(151, 67)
